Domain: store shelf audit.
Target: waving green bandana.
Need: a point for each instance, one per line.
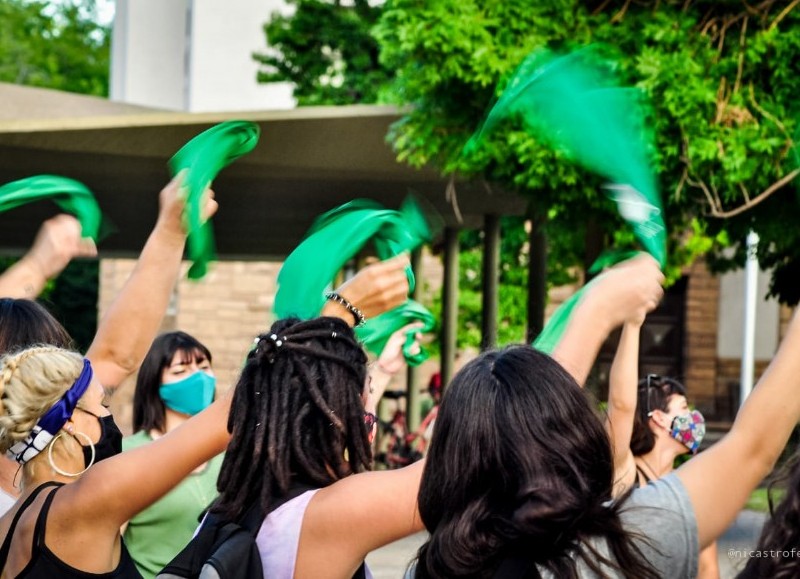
(204, 157)
(574, 105)
(71, 196)
(377, 331)
(334, 239)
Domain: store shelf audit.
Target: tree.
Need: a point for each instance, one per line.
(719, 76)
(338, 64)
(324, 47)
(56, 45)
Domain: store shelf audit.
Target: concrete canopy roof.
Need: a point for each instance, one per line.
(309, 160)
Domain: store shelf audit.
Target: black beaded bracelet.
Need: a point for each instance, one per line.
(357, 314)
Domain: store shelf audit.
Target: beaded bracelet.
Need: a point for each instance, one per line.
(357, 314)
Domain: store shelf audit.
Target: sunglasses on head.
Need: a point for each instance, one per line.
(652, 381)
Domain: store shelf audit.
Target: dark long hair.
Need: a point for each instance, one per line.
(781, 533)
(296, 411)
(148, 409)
(520, 467)
(24, 323)
(653, 394)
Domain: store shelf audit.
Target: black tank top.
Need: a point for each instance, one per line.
(44, 564)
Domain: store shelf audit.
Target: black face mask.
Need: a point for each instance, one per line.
(110, 443)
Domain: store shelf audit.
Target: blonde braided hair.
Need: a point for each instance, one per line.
(31, 381)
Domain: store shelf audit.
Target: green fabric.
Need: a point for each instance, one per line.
(573, 104)
(71, 196)
(377, 331)
(159, 532)
(338, 236)
(204, 157)
(551, 334)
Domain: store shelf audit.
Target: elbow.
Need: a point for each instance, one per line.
(113, 366)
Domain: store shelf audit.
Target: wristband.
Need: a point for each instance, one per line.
(358, 316)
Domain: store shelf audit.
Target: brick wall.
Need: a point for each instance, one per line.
(700, 339)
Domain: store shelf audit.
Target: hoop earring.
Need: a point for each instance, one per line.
(63, 472)
(16, 474)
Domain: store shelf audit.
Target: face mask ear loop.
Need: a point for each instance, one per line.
(63, 472)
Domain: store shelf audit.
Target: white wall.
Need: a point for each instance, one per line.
(193, 55)
(730, 336)
(148, 46)
(222, 71)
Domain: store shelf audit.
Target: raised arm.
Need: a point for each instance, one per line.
(127, 330)
(626, 291)
(116, 489)
(390, 362)
(719, 480)
(622, 397)
(57, 243)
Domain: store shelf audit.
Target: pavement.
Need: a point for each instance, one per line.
(391, 561)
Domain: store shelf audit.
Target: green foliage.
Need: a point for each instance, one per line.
(719, 76)
(325, 49)
(56, 45)
(73, 300)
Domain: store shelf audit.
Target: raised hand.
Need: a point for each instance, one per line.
(375, 289)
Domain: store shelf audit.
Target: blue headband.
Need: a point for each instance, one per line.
(53, 420)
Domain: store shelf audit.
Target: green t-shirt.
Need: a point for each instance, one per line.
(159, 532)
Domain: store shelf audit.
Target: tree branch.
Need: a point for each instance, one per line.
(783, 14)
(621, 14)
(600, 8)
(740, 68)
(452, 198)
(767, 114)
(681, 183)
(717, 212)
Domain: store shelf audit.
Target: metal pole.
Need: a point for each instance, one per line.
(449, 304)
(750, 295)
(537, 278)
(490, 281)
(412, 376)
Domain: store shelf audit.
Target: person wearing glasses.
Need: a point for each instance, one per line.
(650, 425)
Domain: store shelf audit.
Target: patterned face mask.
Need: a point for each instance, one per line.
(689, 429)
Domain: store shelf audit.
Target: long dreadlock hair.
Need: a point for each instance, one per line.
(297, 414)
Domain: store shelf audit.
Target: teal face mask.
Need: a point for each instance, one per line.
(190, 395)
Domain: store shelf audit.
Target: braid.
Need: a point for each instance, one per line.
(31, 381)
(296, 413)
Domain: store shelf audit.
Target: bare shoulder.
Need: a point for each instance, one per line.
(363, 512)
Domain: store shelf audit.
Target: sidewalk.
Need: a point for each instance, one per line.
(390, 562)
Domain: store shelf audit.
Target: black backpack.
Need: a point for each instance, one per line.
(223, 549)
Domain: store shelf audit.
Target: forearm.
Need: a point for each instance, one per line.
(379, 380)
(624, 374)
(720, 479)
(771, 412)
(582, 339)
(122, 486)
(127, 330)
(24, 279)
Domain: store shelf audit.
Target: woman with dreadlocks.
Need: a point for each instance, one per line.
(300, 441)
(77, 489)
